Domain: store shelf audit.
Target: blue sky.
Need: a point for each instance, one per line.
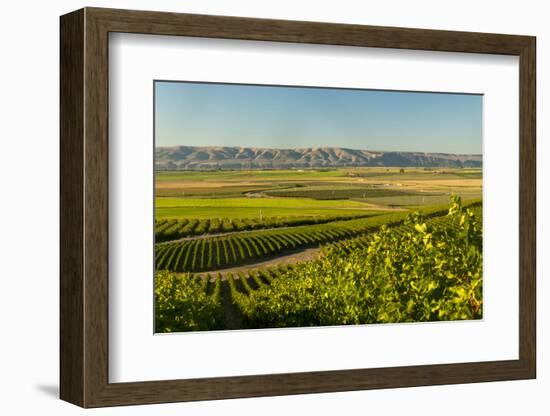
(202, 114)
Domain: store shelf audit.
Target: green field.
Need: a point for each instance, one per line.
(339, 192)
(253, 207)
(316, 174)
(319, 184)
(266, 175)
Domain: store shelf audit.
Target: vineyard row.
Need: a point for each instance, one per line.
(173, 229)
(214, 253)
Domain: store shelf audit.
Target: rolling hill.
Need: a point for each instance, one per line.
(210, 157)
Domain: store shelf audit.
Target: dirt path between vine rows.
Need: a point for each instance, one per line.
(296, 256)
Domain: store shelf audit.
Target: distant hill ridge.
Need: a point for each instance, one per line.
(214, 157)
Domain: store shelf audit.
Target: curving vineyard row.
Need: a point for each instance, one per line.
(363, 241)
(214, 253)
(173, 229)
(243, 283)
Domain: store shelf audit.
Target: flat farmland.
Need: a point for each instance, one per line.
(255, 207)
(244, 175)
(233, 194)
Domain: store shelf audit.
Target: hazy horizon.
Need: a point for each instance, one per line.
(282, 117)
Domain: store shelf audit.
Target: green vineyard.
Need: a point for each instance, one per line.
(423, 268)
(173, 229)
(213, 253)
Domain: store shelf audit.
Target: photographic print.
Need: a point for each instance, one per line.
(291, 206)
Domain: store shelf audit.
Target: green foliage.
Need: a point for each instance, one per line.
(181, 304)
(424, 273)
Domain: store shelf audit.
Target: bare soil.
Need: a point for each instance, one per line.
(296, 256)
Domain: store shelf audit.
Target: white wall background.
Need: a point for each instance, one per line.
(29, 211)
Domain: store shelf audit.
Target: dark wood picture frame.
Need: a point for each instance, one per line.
(84, 207)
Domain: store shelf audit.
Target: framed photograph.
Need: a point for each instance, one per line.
(254, 207)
